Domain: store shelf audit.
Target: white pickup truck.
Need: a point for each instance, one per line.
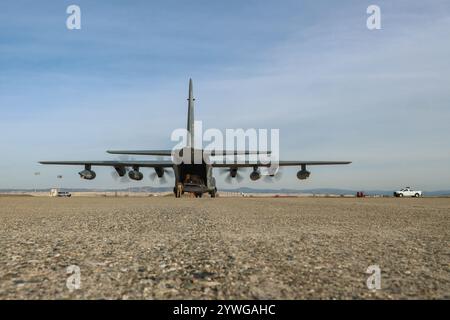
(407, 192)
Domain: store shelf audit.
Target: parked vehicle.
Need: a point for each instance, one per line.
(408, 192)
(56, 193)
(64, 194)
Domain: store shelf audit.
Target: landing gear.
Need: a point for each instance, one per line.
(213, 193)
(198, 195)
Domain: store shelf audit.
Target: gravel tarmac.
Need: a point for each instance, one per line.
(224, 248)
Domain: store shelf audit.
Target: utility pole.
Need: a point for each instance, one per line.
(35, 187)
(59, 176)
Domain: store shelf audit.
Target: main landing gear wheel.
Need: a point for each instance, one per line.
(198, 195)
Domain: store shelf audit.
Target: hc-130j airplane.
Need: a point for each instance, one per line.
(185, 172)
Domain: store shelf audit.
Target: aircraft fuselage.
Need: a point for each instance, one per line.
(195, 178)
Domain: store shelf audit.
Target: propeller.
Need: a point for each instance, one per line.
(163, 179)
(124, 179)
(271, 175)
(115, 175)
(160, 174)
(229, 179)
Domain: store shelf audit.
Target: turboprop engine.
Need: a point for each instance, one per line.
(87, 174)
(135, 174)
(303, 174)
(255, 175)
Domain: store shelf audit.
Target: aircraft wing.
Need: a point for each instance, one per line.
(131, 163)
(280, 163)
(168, 163)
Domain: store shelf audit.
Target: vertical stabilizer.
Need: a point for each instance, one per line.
(190, 120)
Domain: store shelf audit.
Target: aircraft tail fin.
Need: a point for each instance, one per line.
(190, 119)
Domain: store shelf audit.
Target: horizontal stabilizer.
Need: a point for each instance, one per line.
(142, 152)
(234, 152)
(169, 152)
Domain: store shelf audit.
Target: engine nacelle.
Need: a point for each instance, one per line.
(121, 171)
(303, 174)
(255, 175)
(135, 175)
(87, 174)
(233, 172)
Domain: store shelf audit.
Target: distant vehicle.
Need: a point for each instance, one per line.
(64, 194)
(407, 192)
(57, 193)
(360, 194)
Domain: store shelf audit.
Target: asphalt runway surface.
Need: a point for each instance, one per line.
(224, 248)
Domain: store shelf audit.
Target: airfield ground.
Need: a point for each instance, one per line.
(225, 248)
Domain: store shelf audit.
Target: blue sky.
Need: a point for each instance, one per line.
(310, 68)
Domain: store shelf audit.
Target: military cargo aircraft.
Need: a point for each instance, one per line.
(191, 177)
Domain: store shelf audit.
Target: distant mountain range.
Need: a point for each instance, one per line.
(150, 189)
